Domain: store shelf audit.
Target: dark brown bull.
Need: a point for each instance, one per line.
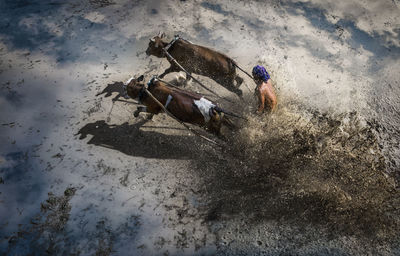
(184, 105)
(199, 60)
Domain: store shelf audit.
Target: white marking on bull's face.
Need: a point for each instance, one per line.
(130, 79)
(125, 92)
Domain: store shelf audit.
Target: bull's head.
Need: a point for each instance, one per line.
(155, 46)
(133, 87)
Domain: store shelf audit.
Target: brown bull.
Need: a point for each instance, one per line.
(199, 60)
(186, 106)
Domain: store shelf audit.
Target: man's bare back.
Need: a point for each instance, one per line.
(264, 90)
(266, 97)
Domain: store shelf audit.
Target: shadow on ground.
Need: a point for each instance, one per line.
(117, 87)
(131, 140)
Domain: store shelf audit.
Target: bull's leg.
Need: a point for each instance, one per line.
(237, 91)
(188, 78)
(138, 110)
(239, 81)
(228, 83)
(171, 69)
(235, 88)
(142, 109)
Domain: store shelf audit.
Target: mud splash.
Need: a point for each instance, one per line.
(50, 232)
(40, 234)
(304, 167)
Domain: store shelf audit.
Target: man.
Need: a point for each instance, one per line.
(264, 90)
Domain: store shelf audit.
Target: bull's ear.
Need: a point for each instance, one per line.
(140, 78)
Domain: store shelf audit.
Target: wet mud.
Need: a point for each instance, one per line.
(304, 167)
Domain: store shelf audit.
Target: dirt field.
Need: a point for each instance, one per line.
(80, 175)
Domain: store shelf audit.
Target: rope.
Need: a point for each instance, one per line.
(130, 102)
(244, 71)
(171, 43)
(109, 113)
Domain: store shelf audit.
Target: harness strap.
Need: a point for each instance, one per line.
(151, 82)
(142, 93)
(166, 48)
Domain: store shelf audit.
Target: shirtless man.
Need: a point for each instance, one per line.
(264, 90)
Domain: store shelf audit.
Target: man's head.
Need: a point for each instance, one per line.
(259, 73)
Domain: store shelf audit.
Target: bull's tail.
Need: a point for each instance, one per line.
(218, 109)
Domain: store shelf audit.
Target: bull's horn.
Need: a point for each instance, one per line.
(159, 34)
(152, 40)
(127, 82)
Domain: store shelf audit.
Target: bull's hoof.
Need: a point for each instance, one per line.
(150, 116)
(136, 113)
(186, 82)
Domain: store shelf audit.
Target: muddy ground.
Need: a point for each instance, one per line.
(81, 176)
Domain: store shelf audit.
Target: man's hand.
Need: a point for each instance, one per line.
(256, 90)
